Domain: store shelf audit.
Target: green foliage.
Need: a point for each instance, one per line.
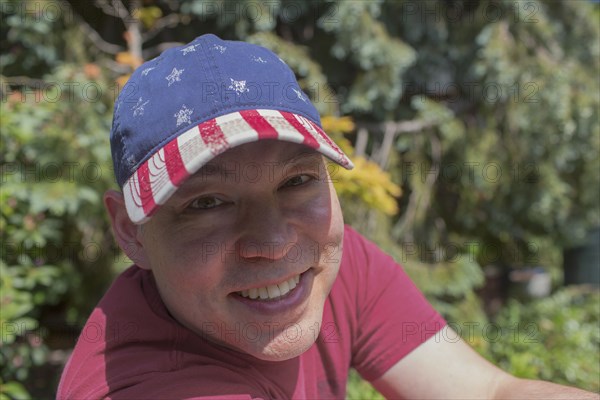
(555, 339)
(501, 172)
(29, 43)
(13, 390)
(452, 279)
(359, 389)
(380, 60)
(55, 249)
(513, 92)
(522, 111)
(367, 186)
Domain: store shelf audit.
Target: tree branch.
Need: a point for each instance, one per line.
(27, 81)
(93, 35)
(114, 66)
(152, 51)
(361, 142)
(160, 24)
(116, 9)
(412, 126)
(390, 131)
(419, 198)
(134, 38)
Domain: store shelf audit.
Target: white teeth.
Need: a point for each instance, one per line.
(284, 288)
(271, 291)
(253, 293)
(262, 292)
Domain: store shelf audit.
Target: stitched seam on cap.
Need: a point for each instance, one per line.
(213, 70)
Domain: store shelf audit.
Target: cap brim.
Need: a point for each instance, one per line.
(155, 181)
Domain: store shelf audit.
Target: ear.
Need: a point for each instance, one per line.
(126, 232)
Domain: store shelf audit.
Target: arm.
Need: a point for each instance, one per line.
(530, 389)
(445, 367)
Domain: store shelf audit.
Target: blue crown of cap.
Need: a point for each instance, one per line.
(194, 83)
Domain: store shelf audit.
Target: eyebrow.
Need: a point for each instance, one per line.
(304, 155)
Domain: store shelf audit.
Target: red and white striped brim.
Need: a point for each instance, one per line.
(157, 178)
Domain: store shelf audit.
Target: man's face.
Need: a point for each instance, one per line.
(259, 220)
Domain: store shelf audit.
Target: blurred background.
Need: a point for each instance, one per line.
(473, 125)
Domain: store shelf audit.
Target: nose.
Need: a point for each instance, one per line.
(265, 232)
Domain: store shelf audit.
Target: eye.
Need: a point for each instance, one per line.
(205, 203)
(297, 180)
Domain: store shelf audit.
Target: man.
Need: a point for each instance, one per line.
(247, 284)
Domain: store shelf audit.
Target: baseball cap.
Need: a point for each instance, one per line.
(190, 104)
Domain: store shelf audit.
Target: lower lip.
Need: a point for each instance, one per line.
(290, 301)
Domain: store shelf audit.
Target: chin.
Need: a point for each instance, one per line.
(281, 349)
(287, 343)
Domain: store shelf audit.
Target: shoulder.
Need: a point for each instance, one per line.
(365, 263)
(125, 336)
(193, 381)
(109, 325)
(130, 347)
(362, 251)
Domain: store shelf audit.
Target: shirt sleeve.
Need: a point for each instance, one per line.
(392, 315)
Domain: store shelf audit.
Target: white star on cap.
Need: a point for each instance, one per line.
(259, 60)
(220, 48)
(174, 76)
(299, 94)
(183, 115)
(238, 86)
(138, 109)
(145, 71)
(188, 49)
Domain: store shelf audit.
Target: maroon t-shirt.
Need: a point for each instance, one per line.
(131, 348)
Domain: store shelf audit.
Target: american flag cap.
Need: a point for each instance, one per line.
(190, 104)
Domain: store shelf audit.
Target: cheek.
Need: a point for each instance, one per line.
(337, 218)
(188, 287)
(327, 215)
(183, 268)
(322, 210)
(325, 229)
(335, 235)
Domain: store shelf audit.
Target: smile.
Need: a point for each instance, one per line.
(272, 291)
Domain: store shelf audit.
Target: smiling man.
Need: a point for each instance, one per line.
(232, 254)
(246, 283)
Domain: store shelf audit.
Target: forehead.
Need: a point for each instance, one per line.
(268, 152)
(262, 157)
(273, 150)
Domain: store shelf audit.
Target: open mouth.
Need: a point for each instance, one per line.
(271, 292)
